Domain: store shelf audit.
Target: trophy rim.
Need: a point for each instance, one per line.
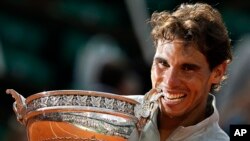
(80, 92)
(66, 109)
(34, 107)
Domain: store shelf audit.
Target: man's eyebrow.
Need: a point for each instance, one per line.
(185, 64)
(191, 65)
(158, 58)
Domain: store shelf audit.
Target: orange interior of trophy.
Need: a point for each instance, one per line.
(62, 131)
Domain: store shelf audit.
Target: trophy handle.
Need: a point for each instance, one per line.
(19, 106)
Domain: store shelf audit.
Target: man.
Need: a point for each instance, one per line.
(192, 53)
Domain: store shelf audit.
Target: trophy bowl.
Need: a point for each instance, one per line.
(75, 115)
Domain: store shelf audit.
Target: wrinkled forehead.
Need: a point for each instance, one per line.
(186, 45)
(178, 51)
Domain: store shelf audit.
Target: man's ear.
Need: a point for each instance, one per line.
(218, 72)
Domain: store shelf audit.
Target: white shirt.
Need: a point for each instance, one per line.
(206, 130)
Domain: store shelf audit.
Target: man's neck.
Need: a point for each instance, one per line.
(167, 124)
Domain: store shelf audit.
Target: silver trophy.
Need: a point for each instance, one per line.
(75, 115)
(80, 115)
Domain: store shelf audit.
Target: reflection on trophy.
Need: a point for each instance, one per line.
(75, 115)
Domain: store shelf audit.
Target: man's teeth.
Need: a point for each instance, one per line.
(174, 96)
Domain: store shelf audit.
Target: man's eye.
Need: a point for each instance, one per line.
(186, 68)
(163, 63)
(189, 67)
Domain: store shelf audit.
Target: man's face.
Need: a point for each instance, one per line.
(183, 74)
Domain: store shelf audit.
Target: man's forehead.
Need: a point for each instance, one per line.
(177, 42)
(186, 49)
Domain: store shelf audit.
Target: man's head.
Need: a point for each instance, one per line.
(192, 53)
(198, 24)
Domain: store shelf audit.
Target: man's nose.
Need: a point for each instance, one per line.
(171, 78)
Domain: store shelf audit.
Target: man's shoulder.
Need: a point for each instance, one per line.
(215, 133)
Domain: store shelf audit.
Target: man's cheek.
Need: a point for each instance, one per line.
(153, 77)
